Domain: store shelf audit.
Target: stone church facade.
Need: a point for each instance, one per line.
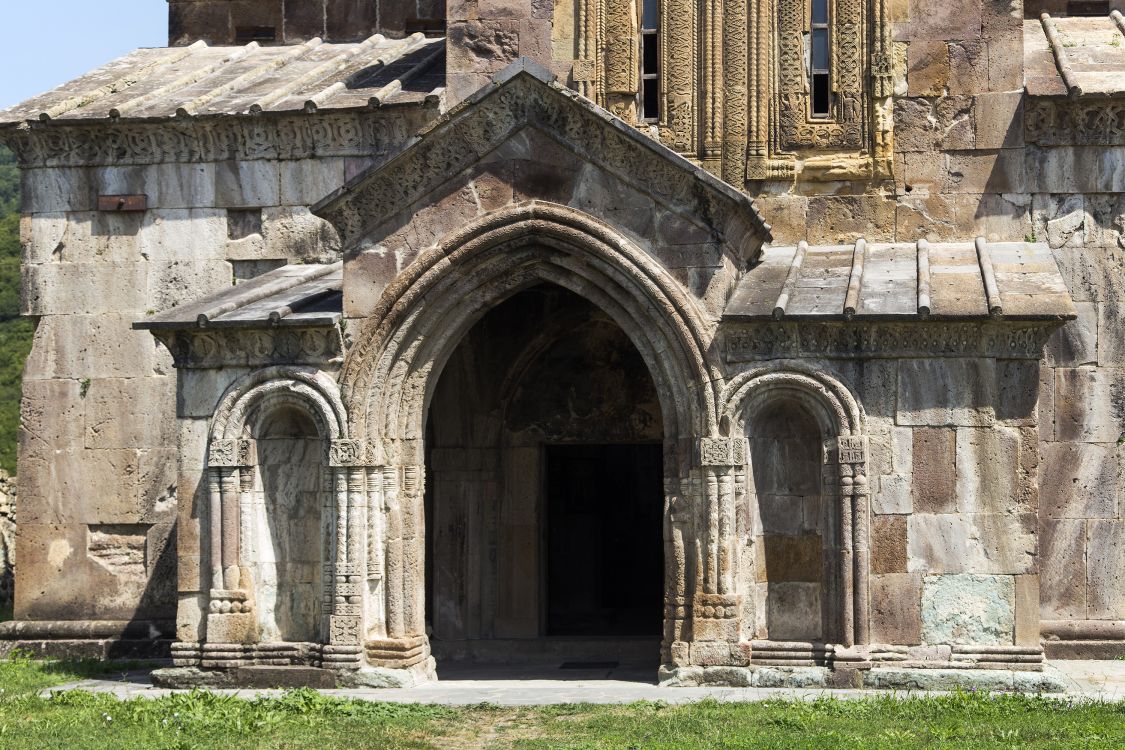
(766, 343)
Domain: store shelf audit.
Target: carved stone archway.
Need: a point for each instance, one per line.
(842, 425)
(390, 373)
(231, 627)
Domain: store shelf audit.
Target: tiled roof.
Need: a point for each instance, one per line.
(1078, 56)
(200, 80)
(959, 280)
(294, 295)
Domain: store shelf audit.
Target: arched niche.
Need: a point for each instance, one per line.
(806, 541)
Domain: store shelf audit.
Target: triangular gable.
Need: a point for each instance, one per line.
(524, 95)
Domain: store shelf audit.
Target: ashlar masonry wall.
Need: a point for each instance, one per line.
(99, 440)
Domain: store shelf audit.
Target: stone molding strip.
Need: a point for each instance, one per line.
(82, 629)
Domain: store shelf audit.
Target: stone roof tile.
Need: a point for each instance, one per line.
(200, 80)
(1012, 280)
(1077, 56)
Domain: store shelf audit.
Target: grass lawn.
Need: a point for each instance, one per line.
(305, 719)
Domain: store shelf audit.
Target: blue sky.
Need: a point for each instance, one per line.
(44, 43)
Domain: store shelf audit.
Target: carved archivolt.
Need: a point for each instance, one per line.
(318, 391)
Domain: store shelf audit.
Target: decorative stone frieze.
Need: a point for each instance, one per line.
(259, 347)
(1092, 121)
(743, 342)
(304, 136)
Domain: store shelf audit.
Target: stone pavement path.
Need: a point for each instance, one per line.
(1091, 680)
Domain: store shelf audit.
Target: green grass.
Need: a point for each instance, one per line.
(306, 719)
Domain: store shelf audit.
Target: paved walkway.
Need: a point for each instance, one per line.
(1091, 680)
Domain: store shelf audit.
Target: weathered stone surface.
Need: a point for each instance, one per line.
(888, 544)
(935, 472)
(964, 543)
(7, 538)
(928, 72)
(987, 470)
(935, 392)
(896, 605)
(1089, 405)
(1062, 569)
(1077, 342)
(1079, 480)
(968, 609)
(894, 495)
(1105, 544)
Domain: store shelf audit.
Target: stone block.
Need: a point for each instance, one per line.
(43, 237)
(888, 544)
(89, 346)
(183, 281)
(1018, 386)
(169, 235)
(56, 189)
(968, 609)
(896, 609)
(957, 19)
(293, 232)
(1111, 169)
(190, 616)
(306, 181)
(1072, 169)
(928, 68)
(933, 392)
(968, 172)
(895, 495)
(844, 219)
(1105, 560)
(52, 415)
(129, 412)
(968, 69)
(73, 486)
(794, 612)
(75, 571)
(793, 558)
(83, 288)
(1027, 610)
(987, 470)
(999, 119)
(1088, 405)
(198, 392)
(1062, 569)
(247, 184)
(164, 185)
(935, 471)
(1079, 480)
(1077, 344)
(997, 543)
(902, 447)
(1110, 321)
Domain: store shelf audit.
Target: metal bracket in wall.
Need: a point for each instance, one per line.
(123, 203)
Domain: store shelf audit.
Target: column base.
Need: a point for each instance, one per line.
(88, 639)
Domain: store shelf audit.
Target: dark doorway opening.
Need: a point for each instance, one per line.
(605, 567)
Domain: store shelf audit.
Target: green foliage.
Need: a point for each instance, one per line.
(15, 332)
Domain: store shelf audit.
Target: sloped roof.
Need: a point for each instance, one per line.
(200, 80)
(1078, 57)
(293, 295)
(1015, 280)
(522, 95)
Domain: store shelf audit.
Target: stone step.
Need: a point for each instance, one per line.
(284, 677)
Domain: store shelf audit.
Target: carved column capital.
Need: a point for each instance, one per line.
(232, 453)
(721, 451)
(347, 453)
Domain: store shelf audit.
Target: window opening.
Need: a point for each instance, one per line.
(821, 57)
(650, 60)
